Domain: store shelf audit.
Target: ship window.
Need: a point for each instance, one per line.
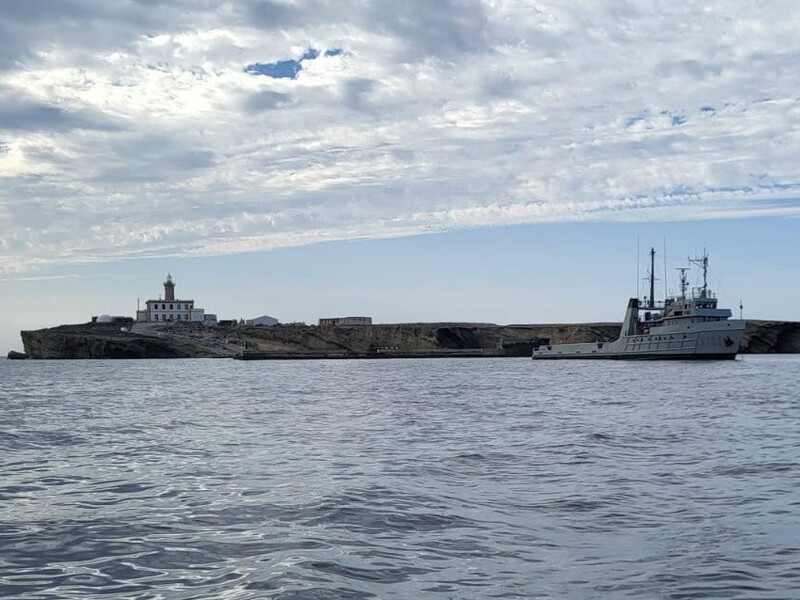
(170, 306)
(186, 317)
(155, 318)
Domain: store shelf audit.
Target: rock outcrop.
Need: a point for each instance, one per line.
(99, 340)
(771, 337)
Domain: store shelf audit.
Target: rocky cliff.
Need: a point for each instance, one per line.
(100, 340)
(96, 340)
(771, 337)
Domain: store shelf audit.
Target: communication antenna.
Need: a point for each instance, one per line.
(741, 309)
(684, 281)
(702, 261)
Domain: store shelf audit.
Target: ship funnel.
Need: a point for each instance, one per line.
(631, 318)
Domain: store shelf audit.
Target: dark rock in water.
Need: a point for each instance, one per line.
(14, 355)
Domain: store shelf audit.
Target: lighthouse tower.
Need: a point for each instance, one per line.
(169, 289)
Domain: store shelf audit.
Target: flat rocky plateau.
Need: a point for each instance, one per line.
(150, 340)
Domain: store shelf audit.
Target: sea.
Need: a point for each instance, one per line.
(438, 478)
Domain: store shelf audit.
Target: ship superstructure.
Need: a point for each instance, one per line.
(689, 325)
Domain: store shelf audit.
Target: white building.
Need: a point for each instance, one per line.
(265, 321)
(172, 310)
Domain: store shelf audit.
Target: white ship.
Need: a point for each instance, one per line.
(687, 326)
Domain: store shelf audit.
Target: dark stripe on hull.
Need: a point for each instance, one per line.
(720, 356)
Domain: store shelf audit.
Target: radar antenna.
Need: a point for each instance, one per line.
(702, 261)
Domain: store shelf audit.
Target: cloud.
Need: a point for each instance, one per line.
(181, 127)
(266, 100)
(18, 113)
(446, 28)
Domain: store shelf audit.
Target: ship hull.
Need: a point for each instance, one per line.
(719, 356)
(700, 341)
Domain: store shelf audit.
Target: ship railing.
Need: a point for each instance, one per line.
(697, 294)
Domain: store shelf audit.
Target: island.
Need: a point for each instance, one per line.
(299, 341)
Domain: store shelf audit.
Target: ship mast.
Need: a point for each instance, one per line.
(652, 277)
(703, 262)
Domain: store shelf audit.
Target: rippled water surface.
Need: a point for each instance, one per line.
(493, 478)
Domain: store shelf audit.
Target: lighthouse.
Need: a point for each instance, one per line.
(169, 289)
(173, 310)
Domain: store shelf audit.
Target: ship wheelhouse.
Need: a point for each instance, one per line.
(701, 307)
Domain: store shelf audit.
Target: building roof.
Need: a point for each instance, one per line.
(168, 301)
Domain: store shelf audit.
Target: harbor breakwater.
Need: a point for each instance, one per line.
(425, 340)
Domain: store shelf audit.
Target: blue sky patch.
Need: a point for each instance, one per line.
(283, 69)
(288, 69)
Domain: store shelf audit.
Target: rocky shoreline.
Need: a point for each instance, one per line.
(429, 340)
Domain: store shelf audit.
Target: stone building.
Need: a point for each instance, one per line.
(346, 322)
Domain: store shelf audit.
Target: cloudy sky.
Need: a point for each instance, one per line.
(176, 129)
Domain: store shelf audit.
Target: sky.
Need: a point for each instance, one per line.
(483, 160)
